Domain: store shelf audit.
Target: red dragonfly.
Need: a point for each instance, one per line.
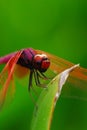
(38, 62)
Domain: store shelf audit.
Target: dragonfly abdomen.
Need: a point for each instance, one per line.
(5, 59)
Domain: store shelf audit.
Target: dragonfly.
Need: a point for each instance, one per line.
(35, 63)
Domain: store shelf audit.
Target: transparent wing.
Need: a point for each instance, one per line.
(77, 79)
(58, 65)
(7, 78)
(22, 75)
(21, 72)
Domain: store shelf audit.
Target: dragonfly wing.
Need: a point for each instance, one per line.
(78, 77)
(21, 72)
(22, 75)
(6, 77)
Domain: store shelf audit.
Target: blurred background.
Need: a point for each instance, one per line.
(58, 27)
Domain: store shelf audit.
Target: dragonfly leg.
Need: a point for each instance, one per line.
(36, 76)
(30, 80)
(43, 76)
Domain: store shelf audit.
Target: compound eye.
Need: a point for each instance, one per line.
(37, 61)
(45, 65)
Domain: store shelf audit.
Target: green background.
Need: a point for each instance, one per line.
(58, 27)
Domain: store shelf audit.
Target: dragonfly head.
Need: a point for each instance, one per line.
(41, 62)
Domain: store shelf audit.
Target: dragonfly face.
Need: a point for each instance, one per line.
(41, 62)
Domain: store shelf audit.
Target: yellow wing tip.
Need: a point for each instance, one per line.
(1, 100)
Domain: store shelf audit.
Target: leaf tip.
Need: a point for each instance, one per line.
(64, 75)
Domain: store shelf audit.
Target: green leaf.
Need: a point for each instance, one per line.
(46, 103)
